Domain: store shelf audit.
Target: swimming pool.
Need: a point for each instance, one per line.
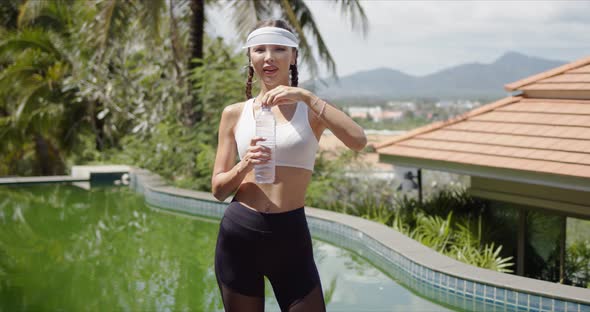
(65, 248)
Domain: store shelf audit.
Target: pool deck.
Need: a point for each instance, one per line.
(79, 174)
(37, 180)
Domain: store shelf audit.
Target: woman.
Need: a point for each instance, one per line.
(264, 231)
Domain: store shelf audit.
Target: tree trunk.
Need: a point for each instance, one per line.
(97, 125)
(192, 111)
(177, 49)
(42, 153)
(48, 157)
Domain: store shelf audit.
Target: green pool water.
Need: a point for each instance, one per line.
(63, 248)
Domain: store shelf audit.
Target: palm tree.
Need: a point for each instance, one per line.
(45, 44)
(33, 105)
(113, 16)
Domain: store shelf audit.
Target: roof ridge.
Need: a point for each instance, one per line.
(549, 100)
(546, 74)
(437, 125)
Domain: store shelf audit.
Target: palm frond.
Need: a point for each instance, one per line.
(295, 12)
(358, 18)
(29, 10)
(151, 16)
(29, 98)
(248, 13)
(29, 39)
(55, 15)
(13, 75)
(112, 17)
(18, 75)
(434, 231)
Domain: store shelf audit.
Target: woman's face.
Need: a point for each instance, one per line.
(271, 63)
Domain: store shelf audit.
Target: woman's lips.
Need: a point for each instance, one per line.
(270, 70)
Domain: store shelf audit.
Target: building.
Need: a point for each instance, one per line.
(529, 151)
(375, 113)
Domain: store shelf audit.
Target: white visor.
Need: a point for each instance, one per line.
(271, 35)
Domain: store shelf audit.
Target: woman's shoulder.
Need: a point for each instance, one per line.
(233, 111)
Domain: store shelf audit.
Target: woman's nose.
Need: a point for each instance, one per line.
(269, 56)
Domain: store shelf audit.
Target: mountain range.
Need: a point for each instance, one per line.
(470, 80)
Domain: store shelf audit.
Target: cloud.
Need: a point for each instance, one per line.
(420, 37)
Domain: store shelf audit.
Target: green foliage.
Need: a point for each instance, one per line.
(433, 231)
(218, 82)
(185, 156)
(399, 225)
(461, 237)
(578, 263)
(468, 248)
(331, 188)
(372, 209)
(454, 200)
(327, 176)
(169, 149)
(449, 222)
(33, 105)
(490, 258)
(487, 257)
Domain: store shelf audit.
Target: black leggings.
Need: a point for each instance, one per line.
(254, 244)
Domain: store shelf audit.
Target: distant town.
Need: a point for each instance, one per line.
(406, 114)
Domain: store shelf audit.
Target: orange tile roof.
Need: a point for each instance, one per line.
(512, 136)
(440, 124)
(572, 76)
(541, 135)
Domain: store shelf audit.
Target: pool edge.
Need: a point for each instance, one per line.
(390, 250)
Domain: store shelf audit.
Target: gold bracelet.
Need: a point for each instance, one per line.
(323, 108)
(317, 98)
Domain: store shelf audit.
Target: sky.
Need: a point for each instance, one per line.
(422, 37)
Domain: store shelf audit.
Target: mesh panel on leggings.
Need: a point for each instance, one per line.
(313, 302)
(236, 302)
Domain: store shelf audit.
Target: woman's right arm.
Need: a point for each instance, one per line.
(227, 175)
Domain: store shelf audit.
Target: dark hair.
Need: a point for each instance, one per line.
(292, 68)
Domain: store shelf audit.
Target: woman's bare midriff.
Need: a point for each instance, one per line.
(287, 193)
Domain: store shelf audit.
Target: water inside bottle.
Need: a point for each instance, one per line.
(266, 128)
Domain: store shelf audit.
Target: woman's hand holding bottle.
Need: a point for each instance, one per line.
(256, 154)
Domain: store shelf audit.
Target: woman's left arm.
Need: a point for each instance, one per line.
(343, 127)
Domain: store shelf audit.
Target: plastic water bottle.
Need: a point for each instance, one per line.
(265, 128)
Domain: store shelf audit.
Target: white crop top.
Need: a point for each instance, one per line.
(296, 144)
